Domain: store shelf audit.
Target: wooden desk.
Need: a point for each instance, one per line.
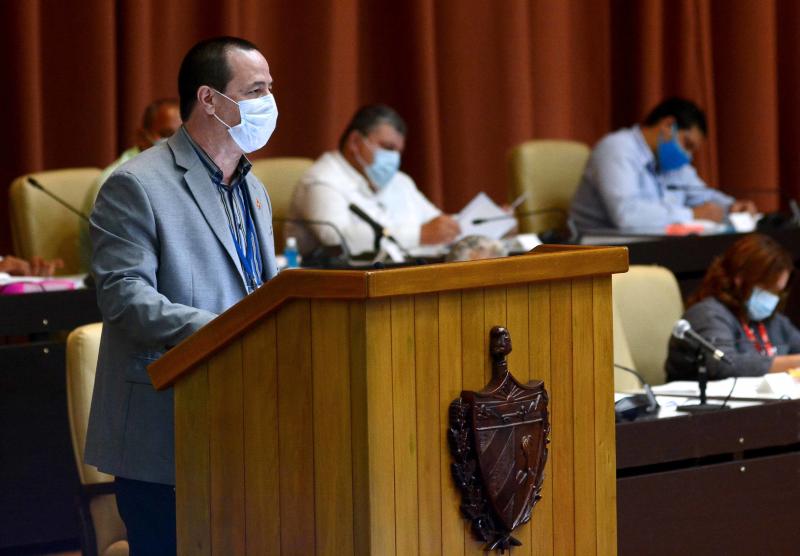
(727, 482)
(38, 480)
(688, 257)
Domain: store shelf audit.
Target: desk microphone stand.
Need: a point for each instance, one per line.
(702, 383)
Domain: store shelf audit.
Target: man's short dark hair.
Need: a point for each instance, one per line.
(206, 63)
(152, 109)
(686, 113)
(371, 116)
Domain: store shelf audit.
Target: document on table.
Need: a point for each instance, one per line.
(483, 208)
(772, 386)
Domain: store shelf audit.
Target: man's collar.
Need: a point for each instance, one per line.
(643, 150)
(353, 174)
(214, 171)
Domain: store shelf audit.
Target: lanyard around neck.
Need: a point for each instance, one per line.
(765, 347)
(249, 257)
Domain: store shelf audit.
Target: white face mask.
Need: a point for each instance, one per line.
(259, 116)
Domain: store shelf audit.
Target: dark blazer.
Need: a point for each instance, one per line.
(715, 322)
(165, 265)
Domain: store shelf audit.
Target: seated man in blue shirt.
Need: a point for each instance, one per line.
(642, 177)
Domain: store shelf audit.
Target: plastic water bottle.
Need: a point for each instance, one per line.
(290, 252)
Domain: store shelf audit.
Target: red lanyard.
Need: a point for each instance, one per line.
(765, 347)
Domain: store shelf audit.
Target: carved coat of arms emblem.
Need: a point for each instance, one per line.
(498, 438)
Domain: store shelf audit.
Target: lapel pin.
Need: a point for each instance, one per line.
(258, 203)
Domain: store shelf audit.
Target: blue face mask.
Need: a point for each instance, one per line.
(671, 154)
(761, 304)
(385, 164)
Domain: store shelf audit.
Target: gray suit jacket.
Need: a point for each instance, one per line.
(165, 265)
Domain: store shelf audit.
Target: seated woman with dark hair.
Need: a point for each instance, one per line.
(736, 309)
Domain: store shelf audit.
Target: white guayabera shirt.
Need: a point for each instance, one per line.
(328, 188)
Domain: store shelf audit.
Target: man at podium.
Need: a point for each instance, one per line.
(180, 233)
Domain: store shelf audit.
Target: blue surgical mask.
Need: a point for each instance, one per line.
(761, 304)
(385, 164)
(671, 154)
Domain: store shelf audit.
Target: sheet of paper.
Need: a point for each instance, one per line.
(744, 222)
(482, 207)
(6, 278)
(757, 387)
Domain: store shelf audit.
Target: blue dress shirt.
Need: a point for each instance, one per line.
(621, 187)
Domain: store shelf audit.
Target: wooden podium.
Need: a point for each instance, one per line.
(311, 417)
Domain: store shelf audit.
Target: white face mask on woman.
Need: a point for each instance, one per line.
(259, 116)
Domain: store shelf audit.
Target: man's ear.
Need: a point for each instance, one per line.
(351, 143)
(142, 140)
(665, 126)
(205, 99)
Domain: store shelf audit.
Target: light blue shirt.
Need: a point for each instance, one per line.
(621, 187)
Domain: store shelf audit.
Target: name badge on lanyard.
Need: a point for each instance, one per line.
(249, 256)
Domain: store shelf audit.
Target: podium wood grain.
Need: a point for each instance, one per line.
(312, 419)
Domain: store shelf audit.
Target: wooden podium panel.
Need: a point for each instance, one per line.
(318, 424)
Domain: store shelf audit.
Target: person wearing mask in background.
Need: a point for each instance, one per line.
(642, 177)
(160, 120)
(736, 309)
(37, 266)
(179, 234)
(364, 171)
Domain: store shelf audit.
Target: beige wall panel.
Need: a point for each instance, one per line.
(605, 428)
(192, 465)
(449, 390)
(381, 428)
(333, 465)
(539, 352)
(295, 427)
(262, 469)
(583, 417)
(405, 426)
(226, 412)
(562, 458)
(430, 436)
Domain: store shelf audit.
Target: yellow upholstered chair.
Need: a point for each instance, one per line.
(40, 225)
(549, 172)
(623, 380)
(102, 530)
(649, 302)
(279, 176)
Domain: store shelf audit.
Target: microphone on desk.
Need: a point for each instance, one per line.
(683, 331)
(548, 236)
(686, 187)
(56, 198)
(517, 215)
(308, 222)
(632, 407)
(378, 230)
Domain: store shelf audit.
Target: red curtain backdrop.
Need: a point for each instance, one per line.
(472, 78)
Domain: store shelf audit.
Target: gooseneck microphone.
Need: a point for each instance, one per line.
(379, 230)
(683, 331)
(631, 407)
(307, 222)
(548, 236)
(56, 198)
(514, 216)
